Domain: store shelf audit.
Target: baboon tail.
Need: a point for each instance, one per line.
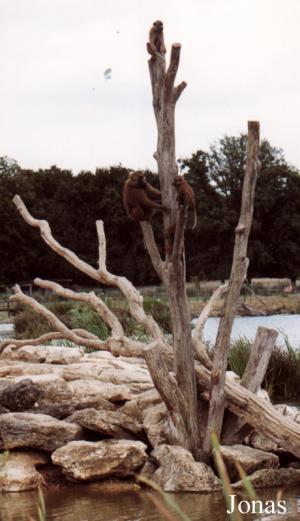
(195, 219)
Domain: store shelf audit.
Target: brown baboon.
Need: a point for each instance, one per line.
(156, 44)
(140, 199)
(185, 196)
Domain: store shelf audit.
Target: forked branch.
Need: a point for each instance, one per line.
(134, 298)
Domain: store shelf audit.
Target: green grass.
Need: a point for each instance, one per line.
(78, 315)
(283, 373)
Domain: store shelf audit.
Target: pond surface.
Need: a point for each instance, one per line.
(247, 326)
(87, 503)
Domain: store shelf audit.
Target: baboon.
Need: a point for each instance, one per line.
(140, 199)
(156, 44)
(185, 196)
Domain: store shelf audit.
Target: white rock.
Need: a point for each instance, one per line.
(84, 460)
(37, 431)
(179, 472)
(19, 471)
(250, 459)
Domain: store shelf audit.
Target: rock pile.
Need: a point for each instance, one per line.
(94, 417)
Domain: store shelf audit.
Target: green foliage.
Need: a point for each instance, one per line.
(283, 372)
(41, 508)
(160, 311)
(238, 355)
(30, 325)
(72, 204)
(81, 316)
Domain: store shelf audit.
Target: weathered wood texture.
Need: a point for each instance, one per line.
(237, 276)
(234, 429)
(172, 271)
(170, 393)
(132, 295)
(260, 414)
(259, 358)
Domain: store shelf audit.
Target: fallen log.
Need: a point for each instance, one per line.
(261, 415)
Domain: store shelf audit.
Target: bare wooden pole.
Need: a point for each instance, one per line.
(238, 274)
(234, 429)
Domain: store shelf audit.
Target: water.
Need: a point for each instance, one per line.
(247, 326)
(88, 503)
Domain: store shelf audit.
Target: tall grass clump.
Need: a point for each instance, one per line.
(283, 372)
(238, 355)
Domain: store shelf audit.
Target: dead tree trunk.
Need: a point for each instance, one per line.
(172, 270)
(238, 274)
(234, 429)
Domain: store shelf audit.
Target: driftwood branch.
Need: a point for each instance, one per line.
(201, 320)
(90, 298)
(133, 296)
(117, 346)
(258, 413)
(178, 245)
(46, 337)
(259, 358)
(152, 248)
(238, 274)
(101, 245)
(235, 430)
(167, 387)
(172, 71)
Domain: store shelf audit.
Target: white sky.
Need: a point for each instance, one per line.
(240, 58)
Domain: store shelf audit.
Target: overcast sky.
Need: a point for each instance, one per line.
(240, 59)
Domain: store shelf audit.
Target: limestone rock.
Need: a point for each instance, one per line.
(233, 377)
(95, 388)
(290, 412)
(179, 472)
(140, 404)
(37, 431)
(261, 442)
(84, 460)
(19, 396)
(155, 424)
(10, 368)
(263, 395)
(108, 370)
(52, 387)
(109, 423)
(249, 458)
(268, 478)
(19, 471)
(147, 470)
(68, 407)
(48, 354)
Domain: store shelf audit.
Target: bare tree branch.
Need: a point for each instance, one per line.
(117, 346)
(172, 71)
(102, 245)
(90, 298)
(237, 277)
(46, 337)
(201, 320)
(178, 90)
(179, 235)
(152, 248)
(134, 298)
(169, 391)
